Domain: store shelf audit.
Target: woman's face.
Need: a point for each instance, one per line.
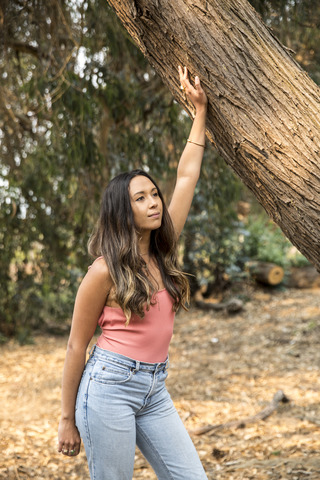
(145, 203)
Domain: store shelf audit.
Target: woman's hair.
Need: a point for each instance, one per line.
(116, 238)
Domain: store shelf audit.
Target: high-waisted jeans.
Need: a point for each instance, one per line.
(122, 402)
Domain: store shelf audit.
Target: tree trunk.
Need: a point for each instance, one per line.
(264, 110)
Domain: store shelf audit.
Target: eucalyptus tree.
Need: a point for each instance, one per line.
(264, 110)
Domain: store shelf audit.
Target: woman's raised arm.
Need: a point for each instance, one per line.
(189, 166)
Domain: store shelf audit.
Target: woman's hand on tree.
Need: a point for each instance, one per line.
(194, 93)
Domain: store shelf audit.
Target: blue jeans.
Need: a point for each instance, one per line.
(122, 402)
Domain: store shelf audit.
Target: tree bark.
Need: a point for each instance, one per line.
(264, 110)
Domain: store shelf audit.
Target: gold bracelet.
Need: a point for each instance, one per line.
(195, 143)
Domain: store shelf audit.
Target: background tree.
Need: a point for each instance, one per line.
(78, 103)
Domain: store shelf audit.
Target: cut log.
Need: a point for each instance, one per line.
(266, 273)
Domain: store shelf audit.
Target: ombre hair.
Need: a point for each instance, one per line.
(116, 238)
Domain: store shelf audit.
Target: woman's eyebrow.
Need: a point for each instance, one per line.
(143, 191)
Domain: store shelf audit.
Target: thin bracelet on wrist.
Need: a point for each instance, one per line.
(195, 143)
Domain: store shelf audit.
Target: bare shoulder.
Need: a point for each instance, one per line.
(97, 282)
(99, 266)
(90, 300)
(98, 273)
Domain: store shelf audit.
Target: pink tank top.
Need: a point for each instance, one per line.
(145, 339)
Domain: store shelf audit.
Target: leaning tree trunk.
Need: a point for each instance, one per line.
(264, 110)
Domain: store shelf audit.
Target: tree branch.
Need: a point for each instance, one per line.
(29, 49)
(279, 397)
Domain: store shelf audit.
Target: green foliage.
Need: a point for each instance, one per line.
(78, 104)
(264, 241)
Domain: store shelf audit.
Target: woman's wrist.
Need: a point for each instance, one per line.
(68, 417)
(203, 145)
(67, 421)
(201, 110)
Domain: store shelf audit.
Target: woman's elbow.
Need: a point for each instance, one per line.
(75, 347)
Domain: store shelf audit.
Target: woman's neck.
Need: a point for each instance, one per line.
(144, 244)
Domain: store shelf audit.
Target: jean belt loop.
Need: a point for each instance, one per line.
(137, 367)
(92, 351)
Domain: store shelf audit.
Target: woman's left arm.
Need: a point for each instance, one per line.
(189, 166)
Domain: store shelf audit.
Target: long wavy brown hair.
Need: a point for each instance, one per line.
(115, 237)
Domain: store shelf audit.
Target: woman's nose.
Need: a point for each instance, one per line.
(154, 201)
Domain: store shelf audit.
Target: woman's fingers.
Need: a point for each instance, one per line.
(184, 78)
(69, 440)
(195, 93)
(185, 82)
(70, 450)
(69, 447)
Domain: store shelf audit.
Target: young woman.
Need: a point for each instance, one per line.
(132, 291)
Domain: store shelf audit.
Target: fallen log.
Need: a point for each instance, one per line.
(303, 277)
(279, 397)
(264, 272)
(233, 305)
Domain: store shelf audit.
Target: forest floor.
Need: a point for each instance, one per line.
(222, 368)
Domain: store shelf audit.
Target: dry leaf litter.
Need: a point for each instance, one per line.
(222, 368)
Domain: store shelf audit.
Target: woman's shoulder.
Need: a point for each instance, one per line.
(99, 270)
(99, 261)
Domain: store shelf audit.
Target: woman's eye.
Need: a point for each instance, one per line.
(139, 199)
(155, 194)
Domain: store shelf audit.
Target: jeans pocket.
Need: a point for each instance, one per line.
(110, 373)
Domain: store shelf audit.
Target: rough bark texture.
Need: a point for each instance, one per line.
(264, 110)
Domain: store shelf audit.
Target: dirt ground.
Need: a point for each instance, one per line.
(223, 368)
